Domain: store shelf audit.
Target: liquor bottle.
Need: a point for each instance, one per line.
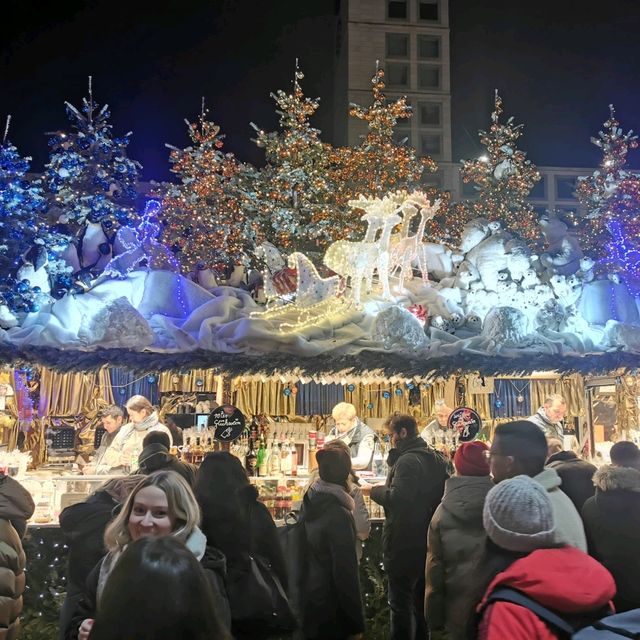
(378, 460)
(286, 457)
(262, 458)
(275, 466)
(294, 459)
(251, 460)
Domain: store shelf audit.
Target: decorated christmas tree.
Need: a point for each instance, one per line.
(611, 198)
(90, 181)
(21, 203)
(202, 218)
(503, 178)
(289, 202)
(378, 164)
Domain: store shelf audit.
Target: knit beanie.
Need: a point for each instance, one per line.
(153, 457)
(518, 515)
(334, 465)
(470, 459)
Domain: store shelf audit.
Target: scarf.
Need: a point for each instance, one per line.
(320, 486)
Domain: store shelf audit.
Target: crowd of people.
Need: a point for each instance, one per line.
(523, 540)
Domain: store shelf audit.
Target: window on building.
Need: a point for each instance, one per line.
(402, 135)
(430, 144)
(565, 187)
(539, 191)
(430, 114)
(397, 9)
(428, 10)
(428, 47)
(429, 179)
(397, 45)
(541, 210)
(398, 74)
(428, 76)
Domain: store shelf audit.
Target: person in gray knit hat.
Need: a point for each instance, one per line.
(518, 515)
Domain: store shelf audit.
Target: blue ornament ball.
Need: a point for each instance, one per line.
(287, 392)
(410, 385)
(351, 388)
(370, 405)
(151, 379)
(398, 392)
(498, 404)
(386, 394)
(122, 391)
(199, 382)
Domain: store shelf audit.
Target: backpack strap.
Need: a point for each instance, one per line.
(506, 594)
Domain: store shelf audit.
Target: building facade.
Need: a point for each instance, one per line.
(410, 40)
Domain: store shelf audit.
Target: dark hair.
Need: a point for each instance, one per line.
(402, 421)
(112, 411)
(157, 589)
(526, 442)
(625, 454)
(221, 479)
(176, 431)
(157, 437)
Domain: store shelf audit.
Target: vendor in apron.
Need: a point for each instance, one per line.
(355, 434)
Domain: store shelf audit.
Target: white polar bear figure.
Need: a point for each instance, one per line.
(563, 253)
(488, 255)
(439, 259)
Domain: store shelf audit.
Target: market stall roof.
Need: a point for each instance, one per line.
(375, 362)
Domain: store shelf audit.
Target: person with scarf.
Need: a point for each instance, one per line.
(162, 504)
(127, 445)
(332, 606)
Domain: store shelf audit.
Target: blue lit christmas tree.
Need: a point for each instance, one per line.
(90, 180)
(21, 202)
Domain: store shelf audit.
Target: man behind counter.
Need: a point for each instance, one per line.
(112, 419)
(355, 434)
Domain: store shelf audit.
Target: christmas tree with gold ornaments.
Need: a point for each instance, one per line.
(290, 201)
(203, 221)
(378, 164)
(503, 179)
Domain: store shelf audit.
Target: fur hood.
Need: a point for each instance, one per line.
(610, 477)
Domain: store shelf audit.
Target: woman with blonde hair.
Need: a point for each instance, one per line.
(162, 504)
(127, 445)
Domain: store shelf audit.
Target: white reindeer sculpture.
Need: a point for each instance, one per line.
(406, 250)
(358, 260)
(312, 288)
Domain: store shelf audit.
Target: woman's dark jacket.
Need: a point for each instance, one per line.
(612, 524)
(331, 600)
(576, 475)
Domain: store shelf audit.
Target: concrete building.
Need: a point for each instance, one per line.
(410, 39)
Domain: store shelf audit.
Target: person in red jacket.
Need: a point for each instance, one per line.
(518, 518)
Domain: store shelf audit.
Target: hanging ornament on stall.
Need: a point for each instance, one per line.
(386, 395)
(151, 379)
(466, 422)
(399, 392)
(370, 405)
(520, 392)
(351, 388)
(287, 391)
(199, 382)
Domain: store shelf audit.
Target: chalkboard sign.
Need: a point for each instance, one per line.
(466, 423)
(227, 422)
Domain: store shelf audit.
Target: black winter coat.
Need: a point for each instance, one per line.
(83, 525)
(332, 604)
(576, 475)
(612, 524)
(212, 562)
(249, 529)
(412, 493)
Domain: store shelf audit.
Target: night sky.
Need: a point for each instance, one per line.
(557, 64)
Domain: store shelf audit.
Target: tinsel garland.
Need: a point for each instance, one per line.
(387, 363)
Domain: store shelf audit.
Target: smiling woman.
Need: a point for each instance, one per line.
(161, 505)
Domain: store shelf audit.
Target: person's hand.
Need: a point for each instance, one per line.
(88, 470)
(85, 629)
